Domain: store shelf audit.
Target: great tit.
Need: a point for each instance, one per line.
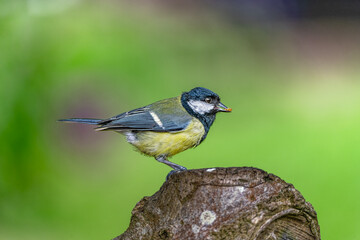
(166, 127)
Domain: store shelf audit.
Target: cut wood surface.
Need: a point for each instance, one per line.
(224, 203)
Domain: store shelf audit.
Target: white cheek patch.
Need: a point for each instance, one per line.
(200, 106)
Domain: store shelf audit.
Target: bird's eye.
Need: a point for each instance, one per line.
(208, 100)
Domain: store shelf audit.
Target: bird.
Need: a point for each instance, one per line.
(166, 127)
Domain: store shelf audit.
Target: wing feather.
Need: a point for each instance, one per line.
(143, 119)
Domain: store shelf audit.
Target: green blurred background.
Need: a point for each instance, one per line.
(290, 72)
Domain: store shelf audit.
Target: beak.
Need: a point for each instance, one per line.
(222, 108)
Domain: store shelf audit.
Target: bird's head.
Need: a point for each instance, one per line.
(202, 101)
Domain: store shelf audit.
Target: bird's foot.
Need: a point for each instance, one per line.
(175, 171)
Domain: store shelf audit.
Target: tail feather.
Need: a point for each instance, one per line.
(82, 120)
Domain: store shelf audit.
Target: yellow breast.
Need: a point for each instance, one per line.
(158, 143)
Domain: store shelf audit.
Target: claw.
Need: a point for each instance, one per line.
(174, 171)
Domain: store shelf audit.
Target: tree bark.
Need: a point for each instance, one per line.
(224, 203)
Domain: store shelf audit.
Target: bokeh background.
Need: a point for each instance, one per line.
(290, 71)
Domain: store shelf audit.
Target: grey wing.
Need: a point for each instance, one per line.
(143, 119)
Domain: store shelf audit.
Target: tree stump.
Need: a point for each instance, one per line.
(224, 203)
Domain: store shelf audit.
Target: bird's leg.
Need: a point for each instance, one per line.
(162, 159)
